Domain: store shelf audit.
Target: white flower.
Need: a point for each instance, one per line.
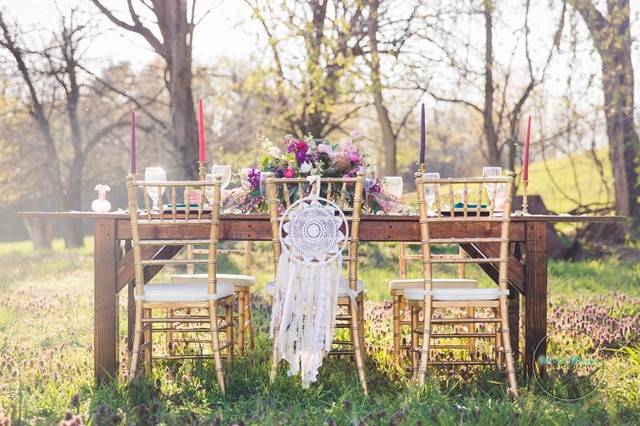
(305, 167)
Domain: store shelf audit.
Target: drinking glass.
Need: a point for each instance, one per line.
(225, 172)
(208, 190)
(430, 192)
(491, 172)
(244, 177)
(393, 185)
(155, 174)
(371, 172)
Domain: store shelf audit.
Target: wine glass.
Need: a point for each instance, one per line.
(225, 172)
(244, 177)
(430, 191)
(155, 174)
(208, 190)
(491, 172)
(393, 185)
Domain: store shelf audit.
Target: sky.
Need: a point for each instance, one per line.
(224, 31)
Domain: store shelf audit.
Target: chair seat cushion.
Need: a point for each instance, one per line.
(233, 279)
(451, 294)
(343, 290)
(193, 292)
(403, 284)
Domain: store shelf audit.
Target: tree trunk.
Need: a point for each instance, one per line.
(40, 230)
(612, 38)
(388, 135)
(176, 31)
(491, 137)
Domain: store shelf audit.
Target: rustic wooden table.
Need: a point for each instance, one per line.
(113, 266)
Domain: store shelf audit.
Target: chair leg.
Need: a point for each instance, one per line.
(169, 335)
(506, 344)
(499, 348)
(249, 311)
(137, 341)
(148, 340)
(215, 343)
(471, 328)
(396, 323)
(228, 319)
(356, 341)
(361, 324)
(426, 337)
(415, 315)
(240, 295)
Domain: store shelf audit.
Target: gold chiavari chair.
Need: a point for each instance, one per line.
(241, 283)
(399, 285)
(461, 211)
(348, 194)
(194, 298)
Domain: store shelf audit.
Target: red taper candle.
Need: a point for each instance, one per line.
(525, 155)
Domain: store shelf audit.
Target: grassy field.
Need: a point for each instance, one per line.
(46, 360)
(566, 182)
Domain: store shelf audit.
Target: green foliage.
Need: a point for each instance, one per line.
(46, 368)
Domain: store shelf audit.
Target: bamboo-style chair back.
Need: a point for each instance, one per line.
(405, 256)
(184, 215)
(199, 250)
(346, 192)
(455, 204)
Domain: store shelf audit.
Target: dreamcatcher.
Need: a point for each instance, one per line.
(313, 235)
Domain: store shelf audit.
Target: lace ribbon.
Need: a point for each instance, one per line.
(305, 303)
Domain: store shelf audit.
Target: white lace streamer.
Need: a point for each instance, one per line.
(306, 286)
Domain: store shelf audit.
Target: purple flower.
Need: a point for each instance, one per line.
(254, 178)
(372, 186)
(354, 157)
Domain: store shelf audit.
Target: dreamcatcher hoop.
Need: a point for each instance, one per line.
(313, 233)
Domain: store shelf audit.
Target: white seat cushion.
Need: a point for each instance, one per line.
(171, 292)
(451, 294)
(233, 279)
(403, 284)
(343, 290)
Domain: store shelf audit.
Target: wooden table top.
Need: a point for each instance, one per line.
(122, 215)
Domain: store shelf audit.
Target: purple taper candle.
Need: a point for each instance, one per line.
(423, 135)
(133, 142)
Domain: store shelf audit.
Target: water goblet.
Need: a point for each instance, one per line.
(491, 172)
(393, 186)
(430, 192)
(225, 172)
(155, 175)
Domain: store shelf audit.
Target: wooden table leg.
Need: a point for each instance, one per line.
(105, 308)
(535, 296)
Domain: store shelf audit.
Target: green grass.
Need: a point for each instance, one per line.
(46, 366)
(574, 180)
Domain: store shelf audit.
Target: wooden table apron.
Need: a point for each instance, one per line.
(113, 269)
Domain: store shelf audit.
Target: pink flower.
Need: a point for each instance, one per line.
(354, 157)
(325, 149)
(289, 173)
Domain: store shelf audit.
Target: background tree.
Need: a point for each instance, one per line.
(175, 22)
(51, 85)
(313, 46)
(611, 36)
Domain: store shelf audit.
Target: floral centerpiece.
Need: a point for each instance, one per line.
(305, 157)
